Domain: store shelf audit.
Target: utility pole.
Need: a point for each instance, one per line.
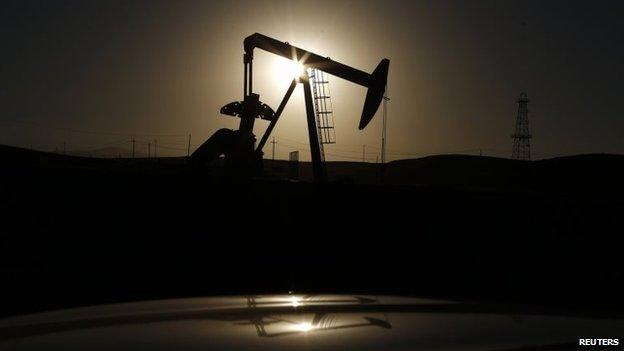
(133, 143)
(155, 148)
(383, 128)
(188, 150)
(273, 153)
(149, 149)
(364, 153)
(383, 135)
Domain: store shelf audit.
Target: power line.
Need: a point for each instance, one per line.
(326, 153)
(384, 125)
(388, 151)
(82, 131)
(116, 142)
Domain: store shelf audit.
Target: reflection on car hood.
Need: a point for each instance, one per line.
(310, 322)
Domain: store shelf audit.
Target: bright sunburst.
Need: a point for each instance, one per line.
(286, 70)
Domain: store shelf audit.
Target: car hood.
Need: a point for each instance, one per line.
(309, 322)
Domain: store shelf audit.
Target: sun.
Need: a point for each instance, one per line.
(285, 69)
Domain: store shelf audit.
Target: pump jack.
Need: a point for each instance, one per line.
(238, 146)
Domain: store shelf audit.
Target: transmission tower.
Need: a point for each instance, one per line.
(522, 137)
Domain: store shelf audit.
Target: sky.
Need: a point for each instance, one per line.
(92, 74)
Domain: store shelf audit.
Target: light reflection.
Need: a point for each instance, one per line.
(269, 324)
(303, 327)
(295, 301)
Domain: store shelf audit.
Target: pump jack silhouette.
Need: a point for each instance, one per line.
(238, 145)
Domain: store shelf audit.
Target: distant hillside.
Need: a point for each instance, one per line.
(593, 171)
(20, 160)
(12, 156)
(589, 172)
(107, 152)
(586, 171)
(469, 227)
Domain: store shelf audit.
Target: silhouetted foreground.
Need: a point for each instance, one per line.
(80, 231)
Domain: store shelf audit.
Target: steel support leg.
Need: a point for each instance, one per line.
(318, 167)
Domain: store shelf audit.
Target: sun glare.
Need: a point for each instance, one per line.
(286, 69)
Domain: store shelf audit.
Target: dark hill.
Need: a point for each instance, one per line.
(582, 172)
(88, 230)
(106, 152)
